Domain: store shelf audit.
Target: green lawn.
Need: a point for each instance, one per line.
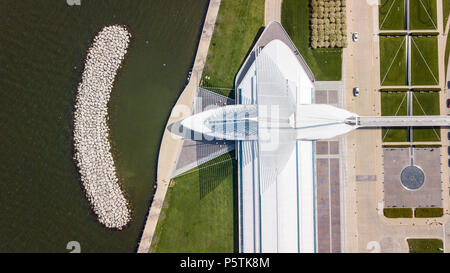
(198, 214)
(426, 104)
(235, 31)
(428, 212)
(446, 13)
(424, 61)
(392, 15)
(393, 60)
(423, 14)
(325, 63)
(398, 212)
(445, 10)
(425, 245)
(394, 104)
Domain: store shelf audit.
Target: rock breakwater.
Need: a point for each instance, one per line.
(91, 133)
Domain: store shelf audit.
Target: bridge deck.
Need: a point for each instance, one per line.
(404, 121)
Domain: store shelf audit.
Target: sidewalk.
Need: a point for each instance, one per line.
(272, 11)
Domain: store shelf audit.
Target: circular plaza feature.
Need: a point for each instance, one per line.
(412, 178)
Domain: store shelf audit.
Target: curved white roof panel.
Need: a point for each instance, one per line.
(277, 183)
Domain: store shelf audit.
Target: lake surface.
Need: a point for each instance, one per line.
(42, 49)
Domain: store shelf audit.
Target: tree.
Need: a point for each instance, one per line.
(321, 34)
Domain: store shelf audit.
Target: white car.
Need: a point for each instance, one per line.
(356, 91)
(355, 36)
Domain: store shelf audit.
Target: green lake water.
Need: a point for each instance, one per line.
(42, 49)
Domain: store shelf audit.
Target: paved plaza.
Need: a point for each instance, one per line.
(328, 197)
(328, 177)
(396, 195)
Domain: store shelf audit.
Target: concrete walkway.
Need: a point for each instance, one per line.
(403, 121)
(272, 11)
(171, 144)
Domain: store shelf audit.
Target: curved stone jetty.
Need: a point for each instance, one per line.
(91, 132)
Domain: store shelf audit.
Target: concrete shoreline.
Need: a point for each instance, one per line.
(170, 144)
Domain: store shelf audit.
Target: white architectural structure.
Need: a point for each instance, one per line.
(275, 122)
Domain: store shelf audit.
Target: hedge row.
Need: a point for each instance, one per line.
(398, 212)
(428, 212)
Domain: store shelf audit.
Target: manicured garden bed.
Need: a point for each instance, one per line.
(398, 212)
(423, 14)
(424, 61)
(426, 104)
(425, 245)
(394, 104)
(428, 212)
(391, 14)
(393, 60)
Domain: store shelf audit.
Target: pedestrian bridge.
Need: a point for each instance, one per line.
(401, 121)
